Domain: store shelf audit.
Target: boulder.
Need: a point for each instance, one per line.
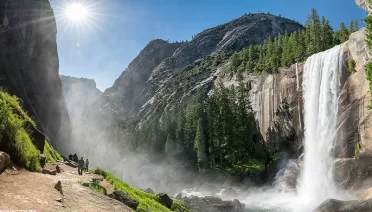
(165, 200)
(4, 161)
(43, 160)
(150, 191)
(75, 158)
(213, 204)
(58, 187)
(127, 200)
(72, 164)
(59, 170)
(49, 171)
(333, 205)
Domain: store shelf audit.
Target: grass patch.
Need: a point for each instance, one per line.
(96, 187)
(147, 202)
(51, 154)
(14, 135)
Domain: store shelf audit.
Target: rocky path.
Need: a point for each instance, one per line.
(23, 190)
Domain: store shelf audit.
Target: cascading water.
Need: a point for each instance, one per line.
(321, 88)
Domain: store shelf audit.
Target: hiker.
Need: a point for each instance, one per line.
(81, 166)
(75, 158)
(87, 164)
(70, 156)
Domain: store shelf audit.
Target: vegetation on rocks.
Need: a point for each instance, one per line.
(51, 154)
(15, 133)
(368, 21)
(147, 202)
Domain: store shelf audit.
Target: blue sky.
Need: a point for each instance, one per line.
(118, 29)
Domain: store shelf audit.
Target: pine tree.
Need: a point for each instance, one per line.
(300, 49)
(270, 58)
(249, 67)
(354, 26)
(199, 146)
(235, 62)
(344, 33)
(314, 27)
(286, 52)
(327, 35)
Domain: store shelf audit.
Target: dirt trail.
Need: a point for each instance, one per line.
(35, 191)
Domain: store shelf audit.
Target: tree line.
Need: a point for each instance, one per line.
(216, 131)
(284, 50)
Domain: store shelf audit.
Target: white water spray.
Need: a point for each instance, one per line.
(321, 88)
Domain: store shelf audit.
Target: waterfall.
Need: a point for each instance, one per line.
(321, 88)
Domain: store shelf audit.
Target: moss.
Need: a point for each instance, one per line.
(357, 149)
(351, 64)
(179, 206)
(51, 154)
(14, 134)
(147, 202)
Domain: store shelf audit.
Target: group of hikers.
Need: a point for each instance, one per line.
(81, 164)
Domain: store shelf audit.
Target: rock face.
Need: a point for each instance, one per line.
(127, 200)
(78, 93)
(165, 200)
(153, 70)
(333, 205)
(354, 119)
(4, 161)
(278, 105)
(29, 65)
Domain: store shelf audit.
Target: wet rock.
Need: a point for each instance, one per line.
(127, 200)
(333, 205)
(213, 204)
(165, 200)
(179, 196)
(4, 161)
(72, 164)
(230, 192)
(150, 191)
(75, 158)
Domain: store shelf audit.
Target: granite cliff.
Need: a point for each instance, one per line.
(29, 65)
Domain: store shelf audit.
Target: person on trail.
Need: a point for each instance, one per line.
(81, 166)
(87, 164)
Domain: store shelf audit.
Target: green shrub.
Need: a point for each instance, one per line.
(369, 78)
(14, 135)
(351, 64)
(51, 154)
(147, 202)
(97, 187)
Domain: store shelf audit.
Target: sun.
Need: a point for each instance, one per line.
(76, 12)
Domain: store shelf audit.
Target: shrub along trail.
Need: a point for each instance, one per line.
(35, 191)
